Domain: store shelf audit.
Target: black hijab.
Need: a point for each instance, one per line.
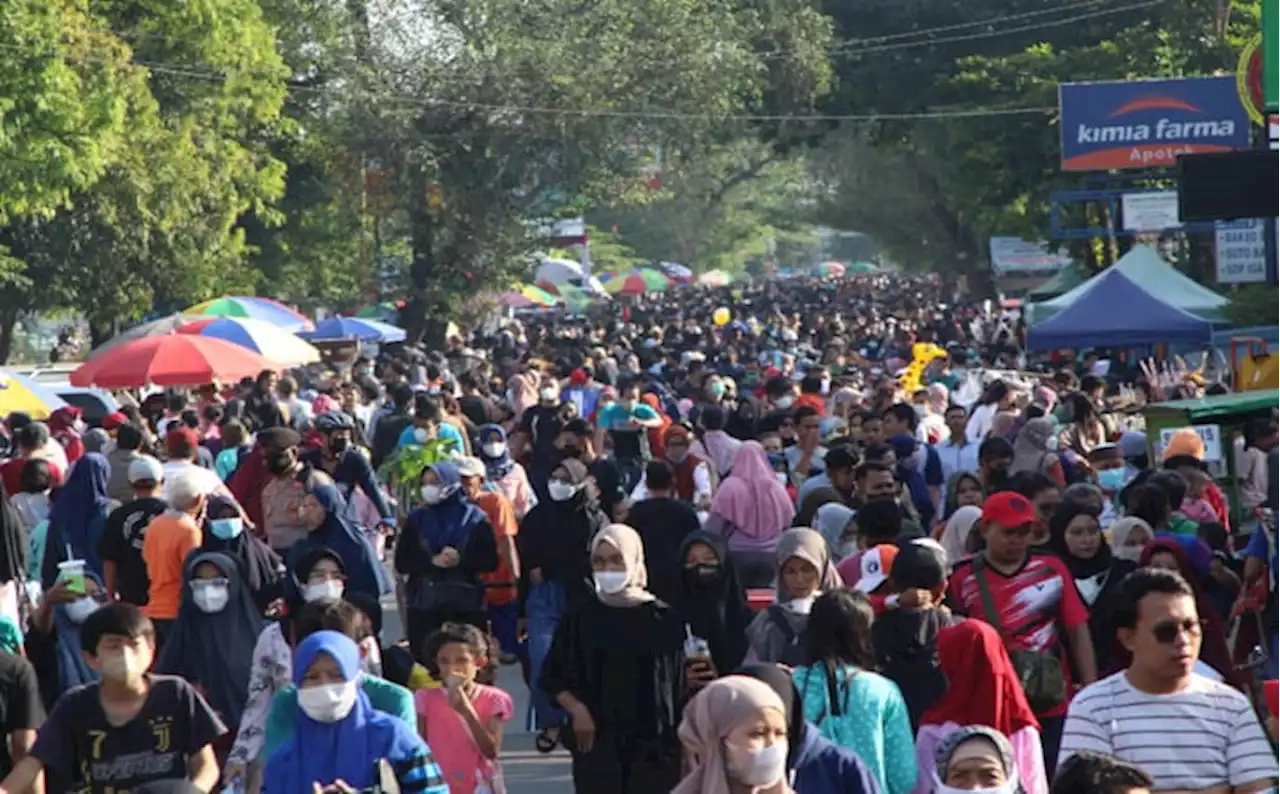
(261, 567)
(714, 609)
(554, 536)
(1080, 568)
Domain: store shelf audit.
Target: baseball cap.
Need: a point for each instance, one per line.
(180, 437)
(469, 467)
(113, 420)
(578, 377)
(1008, 509)
(921, 563)
(874, 566)
(145, 468)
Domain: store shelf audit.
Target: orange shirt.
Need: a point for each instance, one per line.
(169, 539)
(502, 517)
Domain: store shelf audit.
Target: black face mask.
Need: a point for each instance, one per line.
(280, 463)
(704, 574)
(337, 446)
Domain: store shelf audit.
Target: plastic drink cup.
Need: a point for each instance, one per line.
(72, 572)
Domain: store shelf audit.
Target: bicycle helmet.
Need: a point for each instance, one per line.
(332, 421)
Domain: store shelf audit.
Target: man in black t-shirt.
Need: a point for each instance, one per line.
(540, 425)
(124, 572)
(21, 711)
(130, 728)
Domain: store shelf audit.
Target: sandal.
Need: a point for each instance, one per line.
(547, 740)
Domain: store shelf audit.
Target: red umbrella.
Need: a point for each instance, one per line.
(170, 360)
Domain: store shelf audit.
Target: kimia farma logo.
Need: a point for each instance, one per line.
(1165, 128)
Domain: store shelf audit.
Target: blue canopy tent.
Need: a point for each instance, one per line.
(1116, 312)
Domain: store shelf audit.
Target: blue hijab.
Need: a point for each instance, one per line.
(322, 752)
(214, 650)
(365, 573)
(501, 466)
(448, 522)
(79, 511)
(73, 671)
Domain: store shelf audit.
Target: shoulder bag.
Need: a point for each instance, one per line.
(1040, 672)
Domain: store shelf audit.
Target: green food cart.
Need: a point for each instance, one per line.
(1219, 420)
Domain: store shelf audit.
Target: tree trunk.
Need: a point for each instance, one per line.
(8, 319)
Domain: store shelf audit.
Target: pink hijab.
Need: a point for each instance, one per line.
(751, 498)
(709, 718)
(524, 393)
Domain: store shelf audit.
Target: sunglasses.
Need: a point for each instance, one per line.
(1167, 631)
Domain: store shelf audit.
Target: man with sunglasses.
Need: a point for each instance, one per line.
(1031, 599)
(1188, 732)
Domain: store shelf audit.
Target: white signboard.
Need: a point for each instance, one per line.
(1241, 251)
(1211, 435)
(1150, 212)
(1015, 255)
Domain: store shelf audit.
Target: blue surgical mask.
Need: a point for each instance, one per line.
(226, 528)
(1111, 480)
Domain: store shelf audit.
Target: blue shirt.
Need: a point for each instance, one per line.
(617, 416)
(443, 430)
(1261, 548)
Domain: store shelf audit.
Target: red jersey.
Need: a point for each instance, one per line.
(11, 474)
(1035, 604)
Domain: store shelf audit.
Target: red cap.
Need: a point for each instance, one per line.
(578, 377)
(175, 438)
(1008, 509)
(113, 420)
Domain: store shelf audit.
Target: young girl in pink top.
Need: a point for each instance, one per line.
(462, 721)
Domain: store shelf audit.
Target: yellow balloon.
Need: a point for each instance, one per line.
(721, 316)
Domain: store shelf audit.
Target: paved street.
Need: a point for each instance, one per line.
(527, 771)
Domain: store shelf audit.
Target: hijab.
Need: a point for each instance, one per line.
(80, 510)
(365, 573)
(1120, 530)
(953, 489)
(259, 565)
(626, 540)
(72, 668)
(214, 650)
(1080, 568)
(299, 572)
(784, 686)
(947, 750)
(983, 688)
(831, 520)
(807, 545)
(1031, 449)
(714, 609)
(449, 521)
(711, 716)
(751, 498)
(501, 466)
(956, 532)
(321, 752)
(522, 390)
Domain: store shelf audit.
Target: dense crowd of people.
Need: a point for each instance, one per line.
(806, 536)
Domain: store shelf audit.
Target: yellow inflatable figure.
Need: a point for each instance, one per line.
(922, 354)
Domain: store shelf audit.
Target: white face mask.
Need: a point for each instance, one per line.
(122, 666)
(331, 588)
(1130, 553)
(800, 606)
(759, 768)
(785, 402)
(328, 702)
(210, 598)
(610, 582)
(1007, 787)
(549, 393)
(421, 435)
(432, 494)
(561, 491)
(79, 610)
(494, 449)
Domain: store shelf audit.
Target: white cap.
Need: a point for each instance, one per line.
(145, 468)
(470, 467)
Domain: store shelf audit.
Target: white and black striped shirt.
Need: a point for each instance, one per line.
(1206, 735)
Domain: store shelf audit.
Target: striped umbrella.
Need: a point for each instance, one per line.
(576, 298)
(638, 282)
(271, 342)
(861, 267)
(266, 309)
(715, 278)
(676, 271)
(538, 296)
(514, 300)
(828, 270)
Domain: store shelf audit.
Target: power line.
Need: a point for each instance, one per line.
(871, 40)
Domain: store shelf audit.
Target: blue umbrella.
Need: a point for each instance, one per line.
(362, 328)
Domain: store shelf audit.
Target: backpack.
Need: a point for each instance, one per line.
(793, 652)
